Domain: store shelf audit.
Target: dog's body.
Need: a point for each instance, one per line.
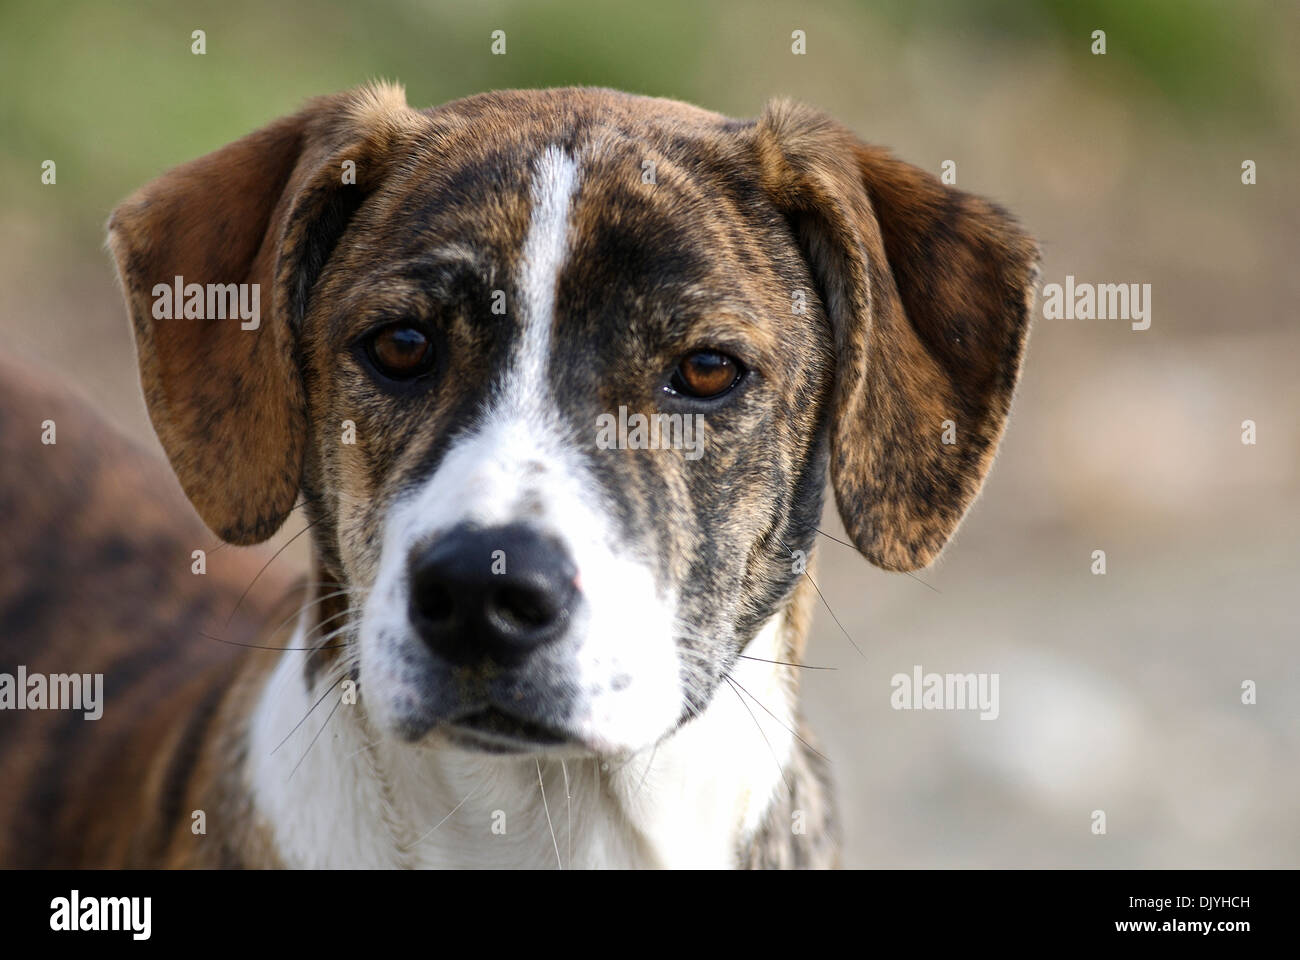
(522, 644)
(96, 578)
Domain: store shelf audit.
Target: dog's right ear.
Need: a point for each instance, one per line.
(263, 214)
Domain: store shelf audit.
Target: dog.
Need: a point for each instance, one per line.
(558, 378)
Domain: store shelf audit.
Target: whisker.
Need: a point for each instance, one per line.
(559, 863)
(254, 646)
(331, 634)
(855, 549)
(788, 730)
(708, 658)
(314, 739)
(779, 768)
(568, 813)
(305, 716)
(685, 630)
(646, 772)
(346, 611)
(832, 613)
(827, 605)
(304, 608)
(784, 663)
(426, 834)
(244, 595)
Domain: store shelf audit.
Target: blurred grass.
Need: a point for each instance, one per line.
(114, 95)
(1204, 59)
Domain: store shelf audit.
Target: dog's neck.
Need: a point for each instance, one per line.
(333, 792)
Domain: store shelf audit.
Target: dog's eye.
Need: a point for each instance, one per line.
(705, 374)
(400, 352)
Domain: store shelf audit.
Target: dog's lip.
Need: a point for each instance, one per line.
(495, 729)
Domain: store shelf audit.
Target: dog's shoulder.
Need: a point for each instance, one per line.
(98, 580)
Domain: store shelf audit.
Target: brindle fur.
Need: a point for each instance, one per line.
(917, 299)
(96, 563)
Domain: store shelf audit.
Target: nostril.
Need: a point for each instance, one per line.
(523, 608)
(434, 603)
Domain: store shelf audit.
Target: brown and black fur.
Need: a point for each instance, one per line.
(916, 300)
(95, 577)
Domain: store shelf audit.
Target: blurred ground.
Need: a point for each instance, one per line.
(1120, 692)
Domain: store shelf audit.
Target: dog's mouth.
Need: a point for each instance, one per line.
(494, 731)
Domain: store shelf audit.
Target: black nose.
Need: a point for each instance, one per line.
(491, 592)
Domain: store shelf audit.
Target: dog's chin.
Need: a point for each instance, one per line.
(491, 730)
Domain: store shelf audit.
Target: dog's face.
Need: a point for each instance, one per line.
(559, 375)
(495, 313)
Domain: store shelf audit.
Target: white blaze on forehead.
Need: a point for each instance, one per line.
(555, 179)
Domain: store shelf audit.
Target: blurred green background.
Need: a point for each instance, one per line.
(1119, 692)
(113, 91)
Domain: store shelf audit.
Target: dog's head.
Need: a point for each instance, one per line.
(559, 375)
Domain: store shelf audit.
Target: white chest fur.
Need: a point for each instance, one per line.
(335, 794)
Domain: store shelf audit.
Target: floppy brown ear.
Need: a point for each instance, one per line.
(224, 394)
(929, 292)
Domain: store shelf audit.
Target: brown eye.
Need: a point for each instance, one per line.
(705, 374)
(400, 352)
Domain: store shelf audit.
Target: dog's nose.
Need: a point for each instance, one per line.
(491, 592)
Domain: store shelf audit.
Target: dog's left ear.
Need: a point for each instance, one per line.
(929, 292)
